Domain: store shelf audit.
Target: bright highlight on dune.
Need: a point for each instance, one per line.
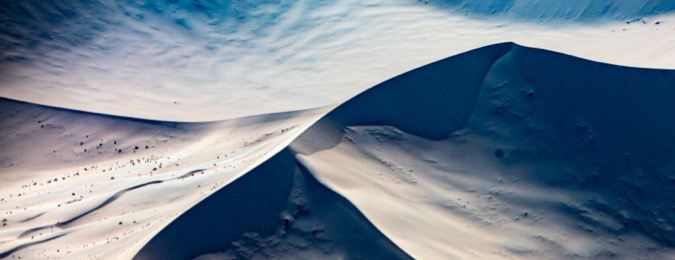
(403, 129)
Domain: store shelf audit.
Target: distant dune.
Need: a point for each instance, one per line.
(198, 60)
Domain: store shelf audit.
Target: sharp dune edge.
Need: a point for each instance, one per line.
(503, 152)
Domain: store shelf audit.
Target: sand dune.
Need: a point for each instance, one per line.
(503, 152)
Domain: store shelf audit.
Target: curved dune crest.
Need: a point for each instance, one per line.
(277, 210)
(432, 101)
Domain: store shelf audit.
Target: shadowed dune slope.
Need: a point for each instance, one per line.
(435, 100)
(431, 101)
(598, 133)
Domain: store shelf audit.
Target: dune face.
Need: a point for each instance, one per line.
(552, 158)
(277, 210)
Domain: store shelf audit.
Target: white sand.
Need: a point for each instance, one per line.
(507, 153)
